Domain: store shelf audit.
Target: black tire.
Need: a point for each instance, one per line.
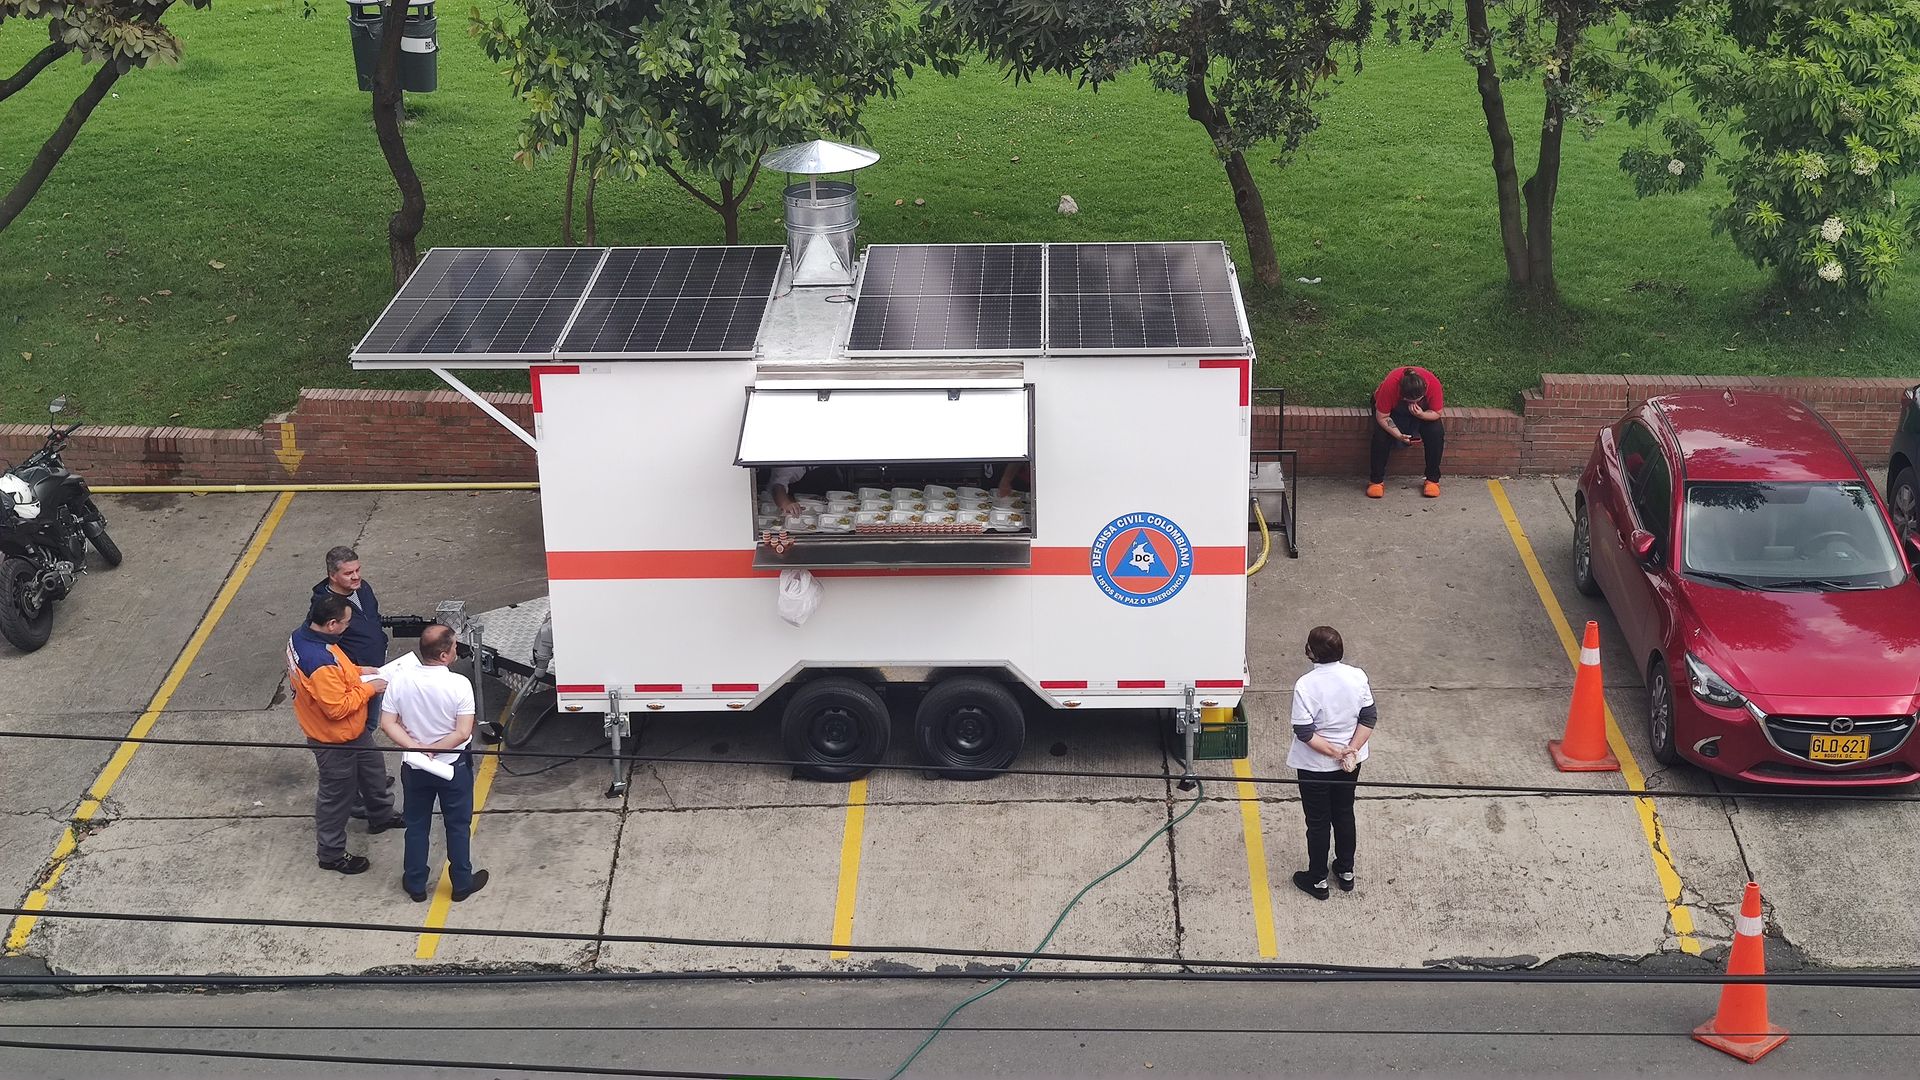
(108, 550)
(1583, 578)
(1660, 713)
(24, 630)
(838, 727)
(1903, 503)
(969, 728)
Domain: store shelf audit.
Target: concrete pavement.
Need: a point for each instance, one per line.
(1432, 597)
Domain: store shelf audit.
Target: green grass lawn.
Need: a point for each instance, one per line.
(257, 154)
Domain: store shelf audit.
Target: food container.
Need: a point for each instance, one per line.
(874, 493)
(842, 506)
(804, 522)
(837, 523)
(811, 504)
(975, 516)
(905, 517)
(937, 517)
(882, 505)
(867, 519)
(907, 494)
(943, 504)
(965, 493)
(936, 493)
(1004, 520)
(768, 523)
(841, 496)
(964, 504)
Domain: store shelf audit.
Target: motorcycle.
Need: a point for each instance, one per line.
(47, 519)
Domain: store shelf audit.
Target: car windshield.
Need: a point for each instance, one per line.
(1825, 536)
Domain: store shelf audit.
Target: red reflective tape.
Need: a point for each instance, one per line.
(1222, 561)
(1245, 367)
(656, 688)
(1218, 684)
(1142, 684)
(534, 373)
(1063, 684)
(580, 688)
(736, 687)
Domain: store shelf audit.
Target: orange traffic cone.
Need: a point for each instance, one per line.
(1584, 746)
(1740, 1027)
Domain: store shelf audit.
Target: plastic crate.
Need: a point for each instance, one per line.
(1222, 735)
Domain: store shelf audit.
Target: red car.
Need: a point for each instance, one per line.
(1753, 570)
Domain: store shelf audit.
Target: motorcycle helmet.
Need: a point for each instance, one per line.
(19, 495)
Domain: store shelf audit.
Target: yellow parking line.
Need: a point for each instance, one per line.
(849, 868)
(123, 754)
(442, 902)
(1663, 866)
(1257, 874)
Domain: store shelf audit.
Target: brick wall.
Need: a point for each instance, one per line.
(338, 436)
(370, 436)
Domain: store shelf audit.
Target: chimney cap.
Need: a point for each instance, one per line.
(818, 157)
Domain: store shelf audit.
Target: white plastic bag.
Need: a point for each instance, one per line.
(799, 596)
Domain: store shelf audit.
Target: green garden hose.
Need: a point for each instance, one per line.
(1199, 791)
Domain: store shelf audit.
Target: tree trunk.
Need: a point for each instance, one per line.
(1543, 187)
(593, 223)
(1506, 178)
(1246, 193)
(566, 213)
(56, 145)
(33, 67)
(730, 211)
(405, 224)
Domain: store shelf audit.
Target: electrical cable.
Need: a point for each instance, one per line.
(495, 1067)
(1199, 794)
(1504, 790)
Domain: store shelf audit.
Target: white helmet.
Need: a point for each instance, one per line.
(19, 494)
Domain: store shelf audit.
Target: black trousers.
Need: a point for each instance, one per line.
(1327, 798)
(1433, 439)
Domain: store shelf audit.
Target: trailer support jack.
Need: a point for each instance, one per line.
(1186, 724)
(618, 726)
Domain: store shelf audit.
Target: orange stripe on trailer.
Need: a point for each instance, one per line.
(580, 688)
(534, 373)
(1063, 684)
(1142, 684)
(736, 688)
(1219, 684)
(736, 564)
(657, 688)
(1245, 367)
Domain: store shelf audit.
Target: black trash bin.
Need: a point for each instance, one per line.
(419, 45)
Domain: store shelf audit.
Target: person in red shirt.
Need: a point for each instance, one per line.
(1406, 411)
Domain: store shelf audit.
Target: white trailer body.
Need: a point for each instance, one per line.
(1127, 590)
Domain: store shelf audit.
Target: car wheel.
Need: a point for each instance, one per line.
(1660, 712)
(1583, 553)
(1903, 502)
(836, 728)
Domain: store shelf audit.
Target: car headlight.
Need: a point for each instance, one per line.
(1709, 687)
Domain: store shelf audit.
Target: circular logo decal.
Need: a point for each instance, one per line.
(1141, 559)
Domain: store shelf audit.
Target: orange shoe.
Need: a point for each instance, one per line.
(1431, 490)
(1376, 491)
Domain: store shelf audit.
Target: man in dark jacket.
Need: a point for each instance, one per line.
(364, 640)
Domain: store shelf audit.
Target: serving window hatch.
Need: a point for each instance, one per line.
(890, 473)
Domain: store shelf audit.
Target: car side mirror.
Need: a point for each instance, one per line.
(1643, 544)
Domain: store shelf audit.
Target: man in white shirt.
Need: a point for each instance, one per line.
(1333, 717)
(429, 709)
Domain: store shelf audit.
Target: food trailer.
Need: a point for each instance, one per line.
(1013, 477)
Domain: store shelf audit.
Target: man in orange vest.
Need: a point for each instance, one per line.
(330, 701)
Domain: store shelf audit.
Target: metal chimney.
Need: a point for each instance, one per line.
(822, 215)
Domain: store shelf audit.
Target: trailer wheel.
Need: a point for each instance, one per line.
(970, 728)
(838, 726)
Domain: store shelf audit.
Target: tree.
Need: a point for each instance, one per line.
(119, 35)
(404, 226)
(720, 82)
(567, 61)
(1822, 98)
(1251, 71)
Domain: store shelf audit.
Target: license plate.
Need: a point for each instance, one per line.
(1837, 747)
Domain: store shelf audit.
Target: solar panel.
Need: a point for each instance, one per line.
(681, 301)
(484, 303)
(1116, 298)
(949, 299)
